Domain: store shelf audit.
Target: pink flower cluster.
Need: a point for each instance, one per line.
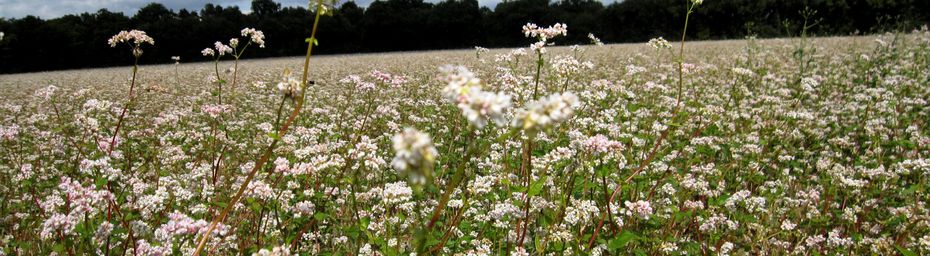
(215, 111)
(601, 144)
(394, 80)
(57, 223)
(83, 199)
(180, 224)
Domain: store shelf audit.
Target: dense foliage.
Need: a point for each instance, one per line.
(77, 41)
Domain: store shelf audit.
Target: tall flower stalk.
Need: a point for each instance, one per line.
(135, 39)
(281, 131)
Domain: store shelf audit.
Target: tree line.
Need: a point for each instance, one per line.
(79, 40)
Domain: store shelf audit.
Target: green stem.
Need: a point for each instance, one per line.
(539, 63)
(119, 122)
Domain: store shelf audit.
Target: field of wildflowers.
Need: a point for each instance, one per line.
(801, 146)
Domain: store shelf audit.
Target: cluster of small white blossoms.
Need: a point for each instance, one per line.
(2, 35)
(257, 36)
(180, 224)
(276, 251)
(360, 85)
(47, 92)
(208, 52)
(479, 50)
(82, 201)
(543, 34)
(595, 40)
(396, 193)
(395, 81)
(215, 110)
(289, 86)
(580, 212)
(642, 209)
(547, 111)
(567, 66)
(135, 38)
(221, 49)
(743, 71)
(601, 144)
(415, 154)
(659, 43)
(477, 105)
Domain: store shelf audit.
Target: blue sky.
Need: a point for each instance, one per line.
(47, 9)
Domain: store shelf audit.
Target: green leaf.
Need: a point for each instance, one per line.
(905, 251)
(100, 182)
(312, 40)
(320, 216)
(913, 188)
(274, 135)
(254, 205)
(58, 248)
(537, 186)
(621, 240)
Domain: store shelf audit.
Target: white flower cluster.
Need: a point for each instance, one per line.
(460, 81)
(276, 251)
(46, 93)
(304, 208)
(222, 49)
(601, 144)
(396, 193)
(595, 40)
(257, 36)
(58, 223)
(810, 83)
(547, 111)
(478, 106)
(360, 84)
(566, 66)
(207, 52)
(415, 153)
(580, 212)
(544, 34)
(215, 110)
(289, 86)
(479, 50)
(135, 37)
(743, 71)
(640, 208)
(659, 43)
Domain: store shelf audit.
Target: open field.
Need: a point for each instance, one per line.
(782, 146)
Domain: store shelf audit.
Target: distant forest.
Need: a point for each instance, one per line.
(79, 40)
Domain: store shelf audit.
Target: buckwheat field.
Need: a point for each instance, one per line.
(807, 146)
